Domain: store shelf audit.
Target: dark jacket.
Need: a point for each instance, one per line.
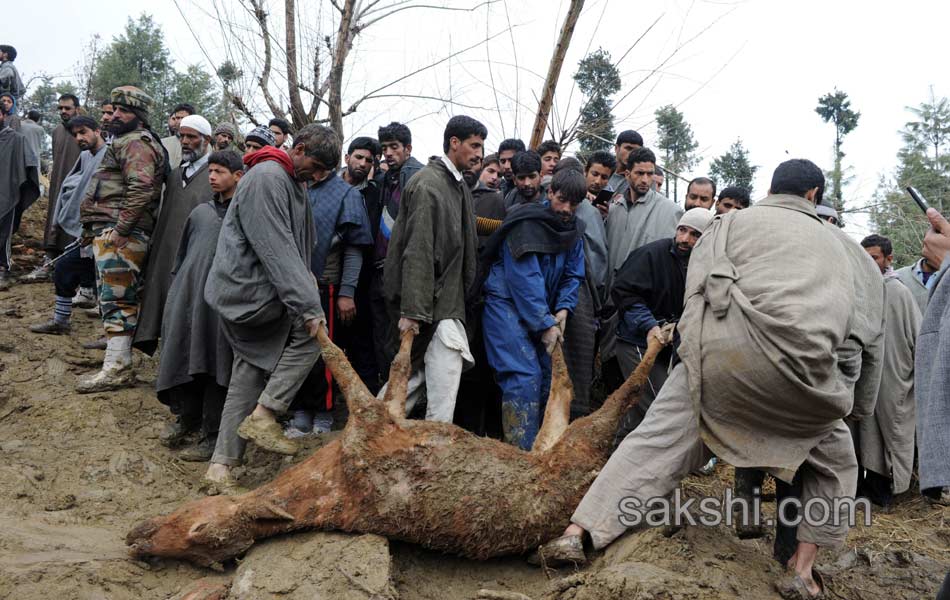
(432, 252)
(648, 289)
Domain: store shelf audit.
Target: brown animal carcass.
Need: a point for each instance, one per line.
(433, 484)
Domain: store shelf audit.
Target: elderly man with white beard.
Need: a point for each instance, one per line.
(186, 188)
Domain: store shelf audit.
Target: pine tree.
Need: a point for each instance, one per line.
(733, 168)
(835, 108)
(598, 79)
(675, 139)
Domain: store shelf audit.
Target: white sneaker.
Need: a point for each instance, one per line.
(85, 298)
(322, 423)
(292, 433)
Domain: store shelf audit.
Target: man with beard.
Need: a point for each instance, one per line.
(526, 170)
(118, 215)
(261, 286)
(738, 198)
(506, 152)
(342, 233)
(186, 187)
(431, 268)
(648, 293)
(628, 141)
(65, 153)
(396, 142)
(700, 193)
(281, 130)
(537, 267)
(194, 371)
(171, 143)
(19, 188)
(225, 137)
(9, 76)
(258, 138)
(362, 157)
(76, 269)
(490, 174)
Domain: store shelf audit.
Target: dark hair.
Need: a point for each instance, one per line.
(105, 102)
(34, 115)
(658, 170)
(549, 146)
(796, 177)
(188, 108)
(395, 132)
(281, 124)
(511, 144)
(602, 157)
(880, 241)
(82, 121)
(571, 184)
(229, 159)
(71, 97)
(491, 159)
(630, 137)
(640, 155)
(461, 127)
(703, 181)
(526, 162)
(569, 163)
(10, 50)
(365, 143)
(320, 143)
(740, 194)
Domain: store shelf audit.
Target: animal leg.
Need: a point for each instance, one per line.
(398, 389)
(557, 413)
(358, 398)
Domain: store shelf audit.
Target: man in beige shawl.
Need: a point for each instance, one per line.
(885, 439)
(770, 297)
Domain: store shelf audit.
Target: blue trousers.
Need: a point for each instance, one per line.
(522, 370)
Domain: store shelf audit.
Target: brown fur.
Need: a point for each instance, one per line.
(433, 484)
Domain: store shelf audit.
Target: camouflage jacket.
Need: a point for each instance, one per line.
(127, 187)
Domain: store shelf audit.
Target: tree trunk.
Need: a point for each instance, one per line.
(297, 113)
(554, 72)
(430, 483)
(344, 41)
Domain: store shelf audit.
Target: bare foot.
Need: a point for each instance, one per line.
(218, 472)
(813, 588)
(573, 529)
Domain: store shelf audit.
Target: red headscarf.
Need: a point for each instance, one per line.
(270, 153)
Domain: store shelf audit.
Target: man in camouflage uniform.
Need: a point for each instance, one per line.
(118, 215)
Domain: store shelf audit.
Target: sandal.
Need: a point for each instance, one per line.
(793, 587)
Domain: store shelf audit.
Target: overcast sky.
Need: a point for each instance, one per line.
(755, 71)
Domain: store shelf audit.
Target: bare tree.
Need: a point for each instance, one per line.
(310, 86)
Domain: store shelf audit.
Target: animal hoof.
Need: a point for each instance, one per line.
(565, 550)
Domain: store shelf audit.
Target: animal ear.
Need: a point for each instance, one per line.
(265, 510)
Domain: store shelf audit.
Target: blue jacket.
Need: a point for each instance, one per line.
(537, 284)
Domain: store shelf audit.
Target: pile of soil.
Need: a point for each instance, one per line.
(78, 471)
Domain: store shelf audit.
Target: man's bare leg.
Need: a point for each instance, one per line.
(804, 558)
(574, 529)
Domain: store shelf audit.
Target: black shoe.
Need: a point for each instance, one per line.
(5, 279)
(99, 344)
(202, 451)
(51, 327)
(173, 434)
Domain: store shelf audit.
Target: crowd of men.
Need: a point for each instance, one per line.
(230, 252)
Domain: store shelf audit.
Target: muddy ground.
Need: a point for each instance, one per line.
(77, 472)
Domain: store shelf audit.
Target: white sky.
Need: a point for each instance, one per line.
(766, 63)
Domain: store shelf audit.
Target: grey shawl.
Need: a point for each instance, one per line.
(260, 281)
(918, 290)
(861, 357)
(595, 244)
(19, 177)
(73, 191)
(887, 436)
(35, 136)
(932, 384)
(180, 199)
(631, 224)
(769, 300)
(193, 342)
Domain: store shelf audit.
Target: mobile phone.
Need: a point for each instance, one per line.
(603, 197)
(918, 198)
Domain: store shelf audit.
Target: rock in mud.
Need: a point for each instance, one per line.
(316, 565)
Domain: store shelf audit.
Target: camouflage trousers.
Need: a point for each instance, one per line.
(120, 281)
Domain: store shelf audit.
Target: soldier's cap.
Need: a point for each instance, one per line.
(132, 97)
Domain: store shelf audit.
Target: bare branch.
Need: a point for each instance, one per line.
(261, 17)
(423, 97)
(432, 6)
